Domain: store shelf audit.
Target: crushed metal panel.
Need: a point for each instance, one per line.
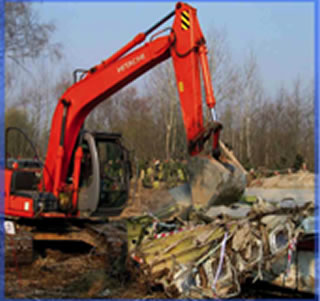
(213, 259)
(301, 278)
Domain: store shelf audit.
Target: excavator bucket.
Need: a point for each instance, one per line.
(212, 182)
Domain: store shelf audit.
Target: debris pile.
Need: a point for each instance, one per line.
(301, 179)
(210, 254)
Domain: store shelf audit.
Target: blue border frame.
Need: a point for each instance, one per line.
(316, 108)
(2, 107)
(316, 144)
(223, 1)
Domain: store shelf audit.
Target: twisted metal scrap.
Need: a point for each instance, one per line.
(188, 263)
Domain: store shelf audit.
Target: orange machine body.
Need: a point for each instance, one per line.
(185, 44)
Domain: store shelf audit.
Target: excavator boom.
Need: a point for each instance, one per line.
(185, 44)
(74, 181)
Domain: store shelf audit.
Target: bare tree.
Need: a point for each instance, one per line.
(17, 145)
(226, 84)
(309, 124)
(250, 95)
(224, 72)
(25, 35)
(162, 83)
(130, 114)
(26, 38)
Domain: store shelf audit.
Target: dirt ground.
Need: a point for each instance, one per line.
(60, 273)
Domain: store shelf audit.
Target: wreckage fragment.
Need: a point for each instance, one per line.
(213, 257)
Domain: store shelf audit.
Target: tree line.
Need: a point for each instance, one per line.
(261, 129)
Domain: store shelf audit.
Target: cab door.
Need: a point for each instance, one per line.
(89, 184)
(105, 175)
(114, 175)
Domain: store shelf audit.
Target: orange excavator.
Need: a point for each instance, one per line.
(73, 182)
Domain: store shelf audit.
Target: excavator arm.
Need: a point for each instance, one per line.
(185, 44)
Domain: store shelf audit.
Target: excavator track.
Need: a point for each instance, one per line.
(105, 239)
(111, 243)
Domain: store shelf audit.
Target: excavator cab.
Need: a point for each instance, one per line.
(105, 175)
(104, 178)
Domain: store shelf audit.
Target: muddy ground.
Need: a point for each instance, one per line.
(62, 272)
(59, 275)
(75, 271)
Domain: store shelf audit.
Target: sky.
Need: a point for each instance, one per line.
(280, 34)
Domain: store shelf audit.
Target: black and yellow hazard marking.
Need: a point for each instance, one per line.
(185, 21)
